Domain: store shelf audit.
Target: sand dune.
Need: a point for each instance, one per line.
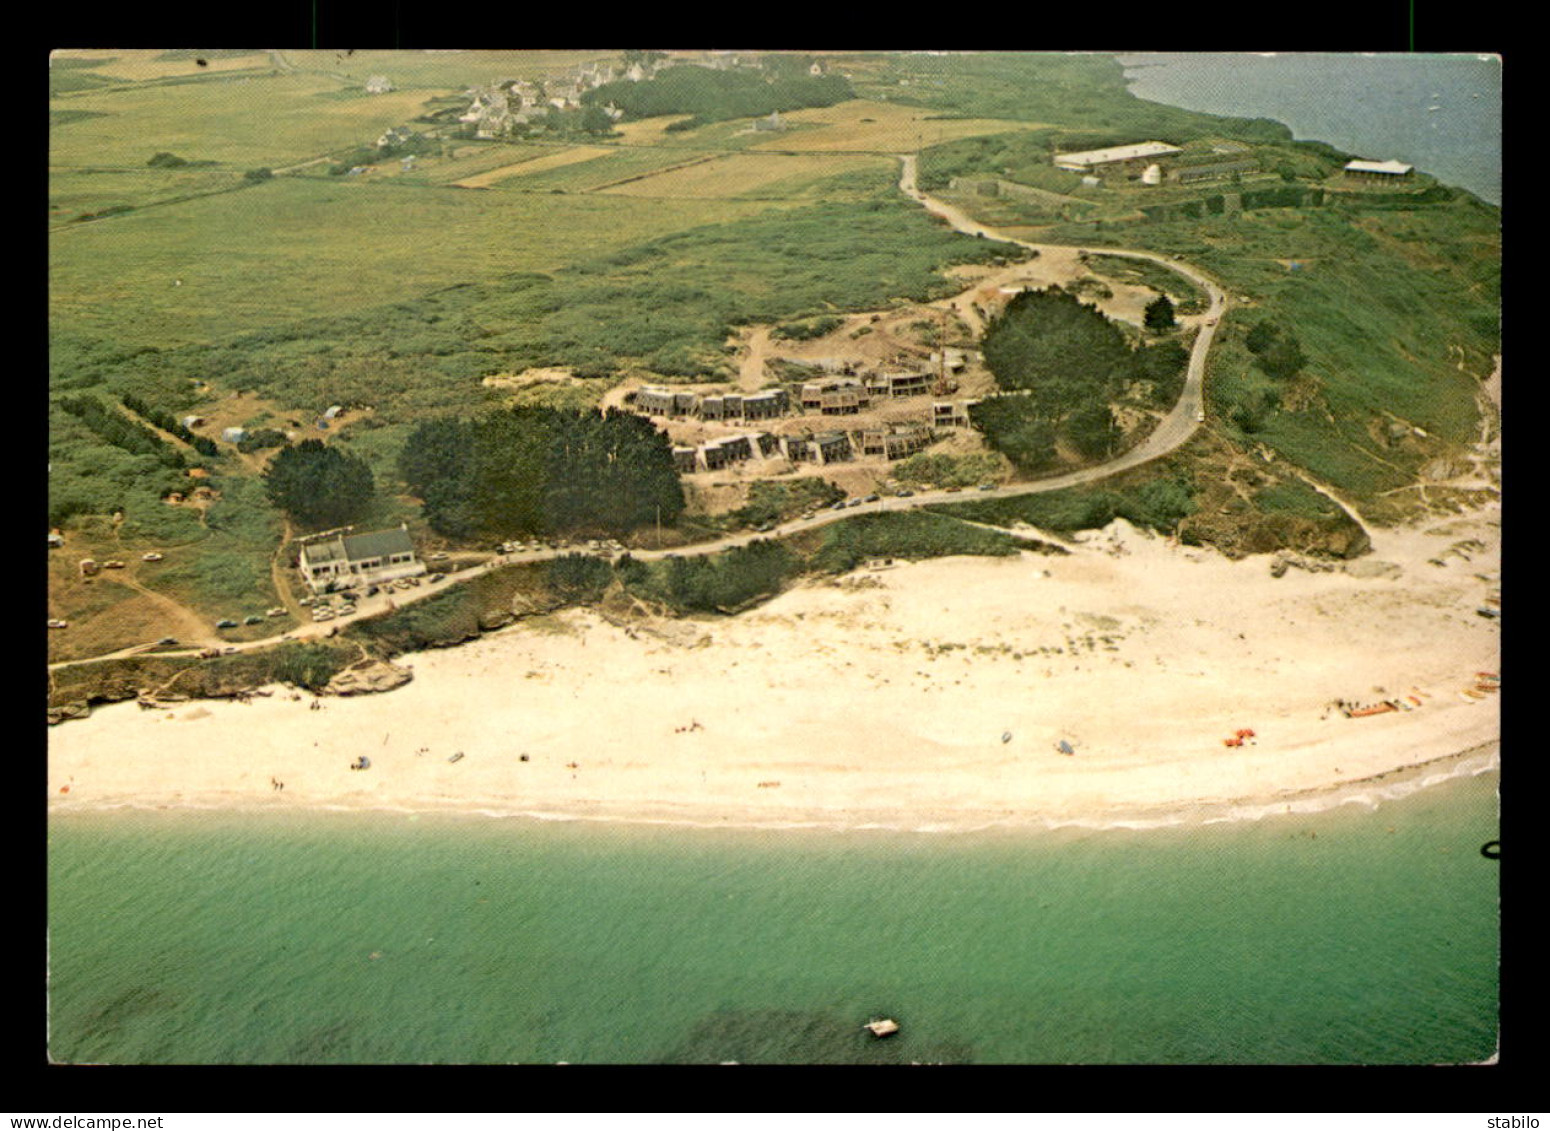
(927, 695)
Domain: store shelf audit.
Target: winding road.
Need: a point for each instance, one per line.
(1171, 432)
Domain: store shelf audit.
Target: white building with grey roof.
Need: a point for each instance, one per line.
(344, 560)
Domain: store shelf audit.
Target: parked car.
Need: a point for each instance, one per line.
(438, 556)
(905, 494)
(226, 624)
(323, 612)
(167, 642)
(254, 619)
(373, 591)
(59, 624)
(1200, 417)
(871, 499)
(987, 486)
(153, 556)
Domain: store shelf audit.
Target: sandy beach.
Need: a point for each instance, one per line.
(930, 695)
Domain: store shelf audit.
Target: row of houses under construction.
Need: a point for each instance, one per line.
(836, 446)
(830, 396)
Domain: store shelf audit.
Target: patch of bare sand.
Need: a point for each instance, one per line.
(927, 695)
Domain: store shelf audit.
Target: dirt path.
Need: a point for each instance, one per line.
(750, 373)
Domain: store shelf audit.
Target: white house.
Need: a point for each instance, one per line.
(346, 560)
(378, 84)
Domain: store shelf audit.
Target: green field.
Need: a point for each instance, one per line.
(400, 290)
(247, 122)
(291, 248)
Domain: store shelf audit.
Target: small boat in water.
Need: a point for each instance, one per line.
(883, 1027)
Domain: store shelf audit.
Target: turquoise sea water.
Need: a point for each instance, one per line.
(1440, 113)
(1356, 935)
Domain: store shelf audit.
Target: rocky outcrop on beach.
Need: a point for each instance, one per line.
(57, 715)
(377, 676)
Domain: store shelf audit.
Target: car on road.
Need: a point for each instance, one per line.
(1200, 416)
(167, 642)
(987, 486)
(153, 556)
(871, 498)
(206, 653)
(905, 494)
(438, 556)
(323, 612)
(277, 611)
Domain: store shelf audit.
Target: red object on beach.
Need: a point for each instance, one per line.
(64, 789)
(1232, 741)
(1245, 733)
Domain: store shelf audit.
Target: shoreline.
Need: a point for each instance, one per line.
(930, 696)
(1401, 781)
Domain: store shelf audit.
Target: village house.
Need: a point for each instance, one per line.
(898, 384)
(719, 453)
(833, 447)
(728, 406)
(378, 84)
(895, 442)
(346, 560)
(800, 449)
(766, 405)
(834, 396)
(946, 414)
(397, 135)
(653, 400)
(684, 460)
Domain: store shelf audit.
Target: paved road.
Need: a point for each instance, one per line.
(1174, 429)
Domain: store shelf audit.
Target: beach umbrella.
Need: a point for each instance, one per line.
(1006, 736)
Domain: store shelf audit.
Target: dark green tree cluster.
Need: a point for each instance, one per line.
(578, 577)
(1276, 350)
(261, 438)
(1017, 428)
(533, 470)
(317, 485)
(726, 581)
(118, 430)
(1058, 347)
(715, 96)
(170, 424)
(1070, 362)
(1159, 315)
